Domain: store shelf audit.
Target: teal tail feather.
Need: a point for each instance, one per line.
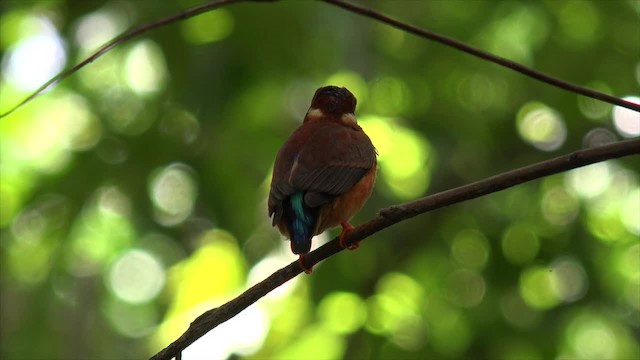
(301, 222)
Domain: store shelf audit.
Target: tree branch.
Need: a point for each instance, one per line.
(392, 215)
(484, 55)
(137, 31)
(124, 37)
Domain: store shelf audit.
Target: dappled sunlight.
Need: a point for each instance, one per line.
(173, 192)
(598, 137)
(579, 23)
(613, 214)
(209, 27)
(97, 28)
(630, 212)
(42, 137)
(448, 330)
(241, 336)
(627, 121)
(145, 69)
(471, 249)
(342, 312)
(133, 193)
(136, 277)
(131, 320)
(590, 334)
(518, 31)
(478, 92)
(30, 250)
(212, 275)
(180, 125)
(101, 231)
(389, 96)
(595, 109)
(589, 181)
(313, 340)
(571, 281)
(517, 312)
(466, 288)
(559, 207)
(395, 311)
(520, 244)
(537, 287)
(37, 57)
(352, 81)
(541, 126)
(405, 157)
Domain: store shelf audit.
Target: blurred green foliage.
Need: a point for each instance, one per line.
(133, 194)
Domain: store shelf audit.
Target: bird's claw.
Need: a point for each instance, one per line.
(346, 228)
(303, 266)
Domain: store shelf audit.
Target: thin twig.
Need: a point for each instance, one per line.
(124, 37)
(484, 55)
(392, 215)
(135, 32)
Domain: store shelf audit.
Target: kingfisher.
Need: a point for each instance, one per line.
(324, 173)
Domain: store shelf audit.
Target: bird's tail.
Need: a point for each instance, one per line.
(301, 223)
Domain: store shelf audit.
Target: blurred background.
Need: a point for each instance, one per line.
(133, 194)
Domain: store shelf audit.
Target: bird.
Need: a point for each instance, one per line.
(323, 174)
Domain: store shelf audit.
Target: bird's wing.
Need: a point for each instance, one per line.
(324, 162)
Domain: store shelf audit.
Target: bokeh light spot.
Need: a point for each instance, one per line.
(180, 125)
(145, 68)
(541, 126)
(173, 193)
(342, 312)
(558, 206)
(592, 108)
(589, 181)
(520, 245)
(389, 96)
(590, 337)
(130, 320)
(36, 59)
(598, 137)
(630, 212)
(352, 81)
(101, 232)
(627, 121)
(580, 23)
(571, 280)
(402, 288)
(516, 32)
(405, 157)
(314, 340)
(537, 287)
(449, 330)
(628, 263)
(516, 311)
(470, 248)
(466, 288)
(209, 27)
(398, 298)
(136, 277)
(95, 29)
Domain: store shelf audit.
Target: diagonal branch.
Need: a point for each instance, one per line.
(124, 37)
(392, 215)
(484, 55)
(211, 5)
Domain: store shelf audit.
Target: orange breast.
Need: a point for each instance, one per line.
(344, 207)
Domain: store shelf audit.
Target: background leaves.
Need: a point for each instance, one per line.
(133, 194)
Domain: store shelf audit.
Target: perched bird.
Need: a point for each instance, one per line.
(324, 172)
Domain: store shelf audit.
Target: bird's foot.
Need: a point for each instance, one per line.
(346, 228)
(303, 266)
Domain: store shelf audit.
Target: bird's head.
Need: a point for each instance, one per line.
(333, 101)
